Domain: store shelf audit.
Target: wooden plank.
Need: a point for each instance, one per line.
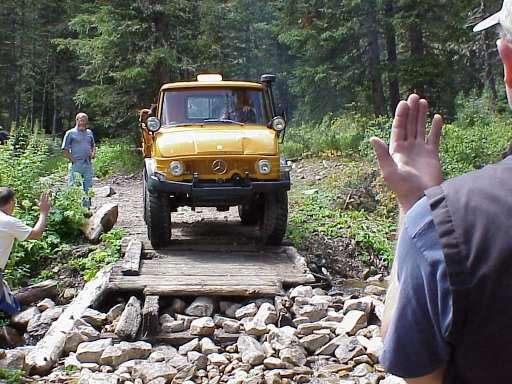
(214, 290)
(131, 261)
(49, 349)
(36, 292)
(150, 316)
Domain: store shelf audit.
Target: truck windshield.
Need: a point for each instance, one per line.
(229, 105)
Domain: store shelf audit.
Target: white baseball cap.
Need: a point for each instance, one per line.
(503, 17)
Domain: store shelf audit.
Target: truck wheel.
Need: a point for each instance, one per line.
(275, 218)
(145, 197)
(249, 213)
(158, 219)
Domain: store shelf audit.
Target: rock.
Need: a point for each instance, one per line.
(375, 290)
(69, 294)
(294, 355)
(204, 326)
(187, 320)
(321, 301)
(348, 348)
(90, 352)
(266, 313)
(361, 370)
(333, 316)
(247, 311)
(40, 324)
(362, 359)
(208, 346)
(93, 367)
(331, 346)
(80, 334)
(190, 346)
(251, 351)
(117, 354)
(308, 328)
(231, 326)
(88, 377)
(150, 371)
(10, 337)
(312, 312)
(217, 359)
(352, 322)
(284, 337)
(95, 318)
(313, 342)
(71, 363)
(310, 192)
(300, 320)
(255, 327)
(178, 306)
(378, 309)
(392, 380)
(129, 321)
(173, 326)
(274, 363)
(104, 192)
(364, 304)
(231, 310)
(301, 291)
(198, 359)
(45, 304)
(115, 312)
(374, 347)
(13, 359)
(21, 320)
(159, 380)
(201, 307)
(101, 221)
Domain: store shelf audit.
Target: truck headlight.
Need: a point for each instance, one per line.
(278, 123)
(153, 124)
(285, 165)
(176, 168)
(264, 167)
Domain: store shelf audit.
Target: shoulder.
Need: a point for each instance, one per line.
(7, 221)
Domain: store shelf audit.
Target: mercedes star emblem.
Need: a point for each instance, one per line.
(219, 167)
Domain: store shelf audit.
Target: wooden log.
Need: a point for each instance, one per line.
(48, 350)
(205, 290)
(130, 320)
(102, 221)
(29, 295)
(131, 261)
(150, 317)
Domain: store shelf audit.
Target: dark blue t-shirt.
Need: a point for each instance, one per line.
(415, 344)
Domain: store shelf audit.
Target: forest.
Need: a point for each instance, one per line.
(109, 57)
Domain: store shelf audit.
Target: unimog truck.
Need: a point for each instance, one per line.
(215, 143)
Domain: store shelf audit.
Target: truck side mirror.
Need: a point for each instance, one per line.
(143, 115)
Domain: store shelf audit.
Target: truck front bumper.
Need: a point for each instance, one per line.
(216, 194)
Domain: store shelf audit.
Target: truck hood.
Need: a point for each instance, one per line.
(210, 140)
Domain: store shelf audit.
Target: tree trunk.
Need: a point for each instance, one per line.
(393, 70)
(374, 61)
(417, 53)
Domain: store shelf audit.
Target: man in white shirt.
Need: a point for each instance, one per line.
(12, 228)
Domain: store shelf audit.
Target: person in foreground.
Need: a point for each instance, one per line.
(12, 228)
(80, 149)
(447, 316)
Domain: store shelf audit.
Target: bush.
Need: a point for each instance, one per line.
(24, 168)
(116, 156)
(107, 254)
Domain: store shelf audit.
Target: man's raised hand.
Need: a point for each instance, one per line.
(44, 203)
(410, 164)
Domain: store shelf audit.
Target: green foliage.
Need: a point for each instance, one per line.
(107, 254)
(372, 233)
(11, 376)
(116, 156)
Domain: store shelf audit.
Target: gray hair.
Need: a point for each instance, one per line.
(6, 196)
(80, 115)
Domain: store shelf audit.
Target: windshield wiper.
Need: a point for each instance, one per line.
(223, 121)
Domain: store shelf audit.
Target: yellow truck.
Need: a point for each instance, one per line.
(215, 143)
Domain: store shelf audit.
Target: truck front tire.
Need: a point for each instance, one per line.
(158, 219)
(275, 217)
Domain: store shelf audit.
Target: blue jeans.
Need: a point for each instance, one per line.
(84, 169)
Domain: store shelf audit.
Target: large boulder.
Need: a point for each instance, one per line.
(117, 354)
(102, 221)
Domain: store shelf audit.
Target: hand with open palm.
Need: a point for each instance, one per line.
(410, 164)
